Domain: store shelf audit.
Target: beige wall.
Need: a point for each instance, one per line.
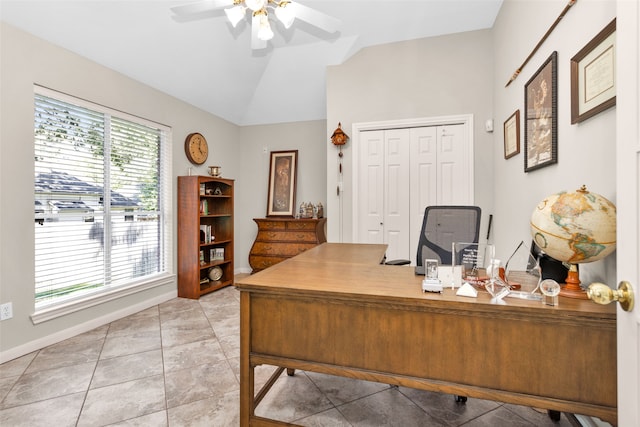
(466, 73)
(586, 151)
(457, 74)
(433, 77)
(26, 60)
(256, 143)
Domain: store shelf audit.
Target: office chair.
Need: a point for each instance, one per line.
(441, 227)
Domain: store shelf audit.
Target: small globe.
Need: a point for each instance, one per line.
(576, 227)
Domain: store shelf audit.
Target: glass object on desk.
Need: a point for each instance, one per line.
(496, 286)
(472, 258)
(522, 271)
(431, 268)
(550, 289)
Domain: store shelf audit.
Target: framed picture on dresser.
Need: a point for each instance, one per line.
(283, 169)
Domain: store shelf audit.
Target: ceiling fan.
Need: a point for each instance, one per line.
(285, 10)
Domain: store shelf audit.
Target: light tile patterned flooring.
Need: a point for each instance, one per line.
(177, 364)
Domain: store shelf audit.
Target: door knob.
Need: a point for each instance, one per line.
(603, 294)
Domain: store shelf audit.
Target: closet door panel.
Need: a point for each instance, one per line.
(396, 194)
(371, 181)
(423, 176)
(453, 166)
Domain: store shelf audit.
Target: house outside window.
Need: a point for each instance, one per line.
(102, 194)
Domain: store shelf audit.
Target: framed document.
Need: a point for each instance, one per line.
(512, 135)
(593, 72)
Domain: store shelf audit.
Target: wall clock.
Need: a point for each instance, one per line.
(196, 148)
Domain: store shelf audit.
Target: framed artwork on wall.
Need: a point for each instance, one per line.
(283, 169)
(541, 116)
(593, 72)
(512, 135)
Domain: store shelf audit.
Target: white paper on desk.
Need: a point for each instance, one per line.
(450, 276)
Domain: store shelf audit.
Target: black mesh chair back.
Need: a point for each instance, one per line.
(444, 225)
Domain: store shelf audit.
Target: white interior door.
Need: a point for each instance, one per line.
(454, 181)
(402, 167)
(628, 207)
(396, 193)
(424, 179)
(371, 181)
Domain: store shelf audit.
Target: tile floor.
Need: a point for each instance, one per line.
(177, 364)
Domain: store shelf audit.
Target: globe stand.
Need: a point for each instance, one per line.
(572, 288)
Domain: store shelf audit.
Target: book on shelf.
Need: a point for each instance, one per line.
(202, 188)
(206, 234)
(204, 207)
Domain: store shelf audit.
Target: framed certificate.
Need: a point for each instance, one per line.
(593, 72)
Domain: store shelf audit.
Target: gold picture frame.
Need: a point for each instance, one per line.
(593, 76)
(512, 135)
(283, 169)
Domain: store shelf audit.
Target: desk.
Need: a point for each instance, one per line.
(334, 309)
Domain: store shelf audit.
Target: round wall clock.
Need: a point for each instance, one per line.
(196, 148)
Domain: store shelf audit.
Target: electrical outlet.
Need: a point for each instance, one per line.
(6, 311)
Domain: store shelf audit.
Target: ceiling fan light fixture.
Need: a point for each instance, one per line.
(261, 18)
(285, 13)
(255, 5)
(235, 14)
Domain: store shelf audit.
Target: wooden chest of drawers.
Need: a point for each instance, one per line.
(282, 238)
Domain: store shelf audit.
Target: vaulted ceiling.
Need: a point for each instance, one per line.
(204, 61)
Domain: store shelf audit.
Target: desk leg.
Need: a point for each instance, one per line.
(246, 370)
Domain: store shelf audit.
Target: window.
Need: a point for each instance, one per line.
(101, 200)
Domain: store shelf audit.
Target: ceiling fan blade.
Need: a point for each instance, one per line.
(315, 17)
(256, 43)
(200, 6)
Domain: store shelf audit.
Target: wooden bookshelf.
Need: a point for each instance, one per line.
(205, 234)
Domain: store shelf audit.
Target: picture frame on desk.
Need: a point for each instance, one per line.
(541, 116)
(283, 169)
(593, 72)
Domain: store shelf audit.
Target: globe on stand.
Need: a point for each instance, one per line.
(575, 227)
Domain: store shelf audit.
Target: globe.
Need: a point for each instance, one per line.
(575, 227)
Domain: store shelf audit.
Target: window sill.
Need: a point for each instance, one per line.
(62, 309)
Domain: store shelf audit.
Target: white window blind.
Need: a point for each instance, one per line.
(100, 199)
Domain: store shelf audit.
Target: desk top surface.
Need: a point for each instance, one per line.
(353, 272)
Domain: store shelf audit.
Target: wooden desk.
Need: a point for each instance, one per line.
(335, 310)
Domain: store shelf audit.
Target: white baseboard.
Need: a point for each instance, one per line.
(38, 344)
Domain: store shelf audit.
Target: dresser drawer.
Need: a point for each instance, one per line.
(258, 262)
(282, 238)
(287, 236)
(280, 249)
(271, 225)
(302, 225)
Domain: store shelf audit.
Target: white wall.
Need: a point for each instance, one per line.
(586, 151)
(433, 77)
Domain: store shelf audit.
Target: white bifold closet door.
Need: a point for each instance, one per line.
(402, 171)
